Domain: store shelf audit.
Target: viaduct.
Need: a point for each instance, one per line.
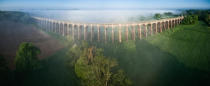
(108, 32)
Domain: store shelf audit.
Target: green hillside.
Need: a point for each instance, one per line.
(189, 43)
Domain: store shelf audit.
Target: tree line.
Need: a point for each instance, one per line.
(89, 63)
(190, 16)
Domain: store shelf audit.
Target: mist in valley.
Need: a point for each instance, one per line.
(101, 16)
(84, 48)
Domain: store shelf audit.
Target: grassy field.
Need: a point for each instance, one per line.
(55, 72)
(189, 43)
(176, 57)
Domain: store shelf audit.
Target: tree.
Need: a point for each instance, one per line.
(192, 16)
(190, 19)
(26, 57)
(168, 14)
(94, 69)
(157, 16)
(119, 79)
(207, 19)
(16, 17)
(75, 51)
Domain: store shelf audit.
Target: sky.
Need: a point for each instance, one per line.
(103, 4)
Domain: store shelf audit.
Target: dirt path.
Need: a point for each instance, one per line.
(12, 34)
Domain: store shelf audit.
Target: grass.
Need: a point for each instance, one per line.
(189, 43)
(172, 58)
(55, 72)
(146, 64)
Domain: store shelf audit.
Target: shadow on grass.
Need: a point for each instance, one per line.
(55, 72)
(188, 43)
(147, 65)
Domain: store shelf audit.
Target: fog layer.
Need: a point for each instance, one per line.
(99, 16)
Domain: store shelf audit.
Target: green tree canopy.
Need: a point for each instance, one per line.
(190, 19)
(16, 17)
(26, 57)
(191, 16)
(157, 16)
(207, 19)
(168, 13)
(75, 51)
(94, 69)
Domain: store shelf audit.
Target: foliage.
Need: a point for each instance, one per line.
(181, 53)
(16, 17)
(190, 19)
(207, 19)
(202, 14)
(168, 14)
(157, 16)
(119, 79)
(189, 43)
(75, 51)
(26, 57)
(152, 61)
(97, 70)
